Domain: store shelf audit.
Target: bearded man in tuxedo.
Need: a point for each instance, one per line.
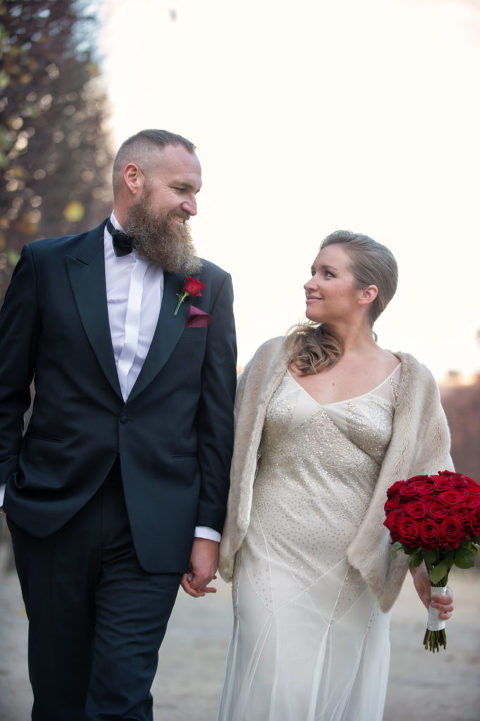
(116, 492)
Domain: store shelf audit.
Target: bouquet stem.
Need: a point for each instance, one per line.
(435, 635)
(434, 639)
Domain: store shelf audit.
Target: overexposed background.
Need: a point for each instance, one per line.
(311, 116)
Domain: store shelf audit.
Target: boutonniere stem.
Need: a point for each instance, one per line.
(191, 288)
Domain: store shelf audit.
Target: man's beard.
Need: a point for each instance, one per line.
(161, 239)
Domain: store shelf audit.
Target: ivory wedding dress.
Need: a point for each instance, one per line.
(309, 641)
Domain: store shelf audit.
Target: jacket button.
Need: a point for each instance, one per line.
(123, 417)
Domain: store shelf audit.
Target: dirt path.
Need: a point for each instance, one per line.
(423, 686)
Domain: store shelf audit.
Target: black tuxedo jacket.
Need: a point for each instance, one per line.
(173, 435)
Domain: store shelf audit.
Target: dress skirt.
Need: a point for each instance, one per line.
(310, 642)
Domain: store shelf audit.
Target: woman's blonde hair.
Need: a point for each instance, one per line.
(314, 347)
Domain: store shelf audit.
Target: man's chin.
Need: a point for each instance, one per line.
(166, 241)
(170, 259)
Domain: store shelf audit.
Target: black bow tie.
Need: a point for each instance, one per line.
(122, 243)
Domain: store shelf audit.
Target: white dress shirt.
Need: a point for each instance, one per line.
(134, 297)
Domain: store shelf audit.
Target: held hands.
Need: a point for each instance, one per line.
(202, 569)
(421, 581)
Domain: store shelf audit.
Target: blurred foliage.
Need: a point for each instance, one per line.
(54, 151)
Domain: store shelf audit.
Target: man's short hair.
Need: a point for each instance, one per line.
(141, 144)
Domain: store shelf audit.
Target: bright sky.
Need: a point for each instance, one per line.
(311, 116)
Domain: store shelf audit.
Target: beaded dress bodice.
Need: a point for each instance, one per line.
(318, 467)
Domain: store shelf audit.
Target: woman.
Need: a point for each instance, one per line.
(326, 420)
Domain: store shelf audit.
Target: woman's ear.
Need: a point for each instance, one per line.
(368, 294)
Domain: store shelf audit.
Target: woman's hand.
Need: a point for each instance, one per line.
(421, 581)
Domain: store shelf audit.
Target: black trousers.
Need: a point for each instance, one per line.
(96, 619)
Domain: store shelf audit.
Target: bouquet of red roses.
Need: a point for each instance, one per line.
(435, 519)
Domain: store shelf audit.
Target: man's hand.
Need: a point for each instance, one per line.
(202, 569)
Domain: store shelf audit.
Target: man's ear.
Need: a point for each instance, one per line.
(368, 294)
(133, 178)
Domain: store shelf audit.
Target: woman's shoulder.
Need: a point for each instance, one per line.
(270, 349)
(385, 361)
(412, 364)
(265, 362)
(416, 380)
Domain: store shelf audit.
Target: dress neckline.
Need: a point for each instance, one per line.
(346, 400)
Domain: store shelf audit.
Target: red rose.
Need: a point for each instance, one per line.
(473, 486)
(408, 491)
(438, 511)
(414, 479)
(451, 532)
(474, 522)
(450, 498)
(429, 533)
(472, 500)
(463, 489)
(392, 504)
(416, 509)
(193, 286)
(394, 488)
(448, 474)
(408, 530)
(462, 511)
(392, 522)
(461, 482)
(423, 488)
(442, 483)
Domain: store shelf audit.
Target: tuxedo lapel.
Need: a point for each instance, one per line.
(86, 268)
(167, 333)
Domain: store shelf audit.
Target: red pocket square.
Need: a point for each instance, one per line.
(198, 318)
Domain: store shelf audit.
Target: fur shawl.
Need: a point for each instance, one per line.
(420, 444)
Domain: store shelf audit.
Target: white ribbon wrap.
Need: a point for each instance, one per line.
(433, 621)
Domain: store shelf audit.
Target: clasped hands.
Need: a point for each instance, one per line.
(202, 569)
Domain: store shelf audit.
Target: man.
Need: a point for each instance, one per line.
(116, 493)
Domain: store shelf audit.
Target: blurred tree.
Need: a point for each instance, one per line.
(462, 404)
(54, 150)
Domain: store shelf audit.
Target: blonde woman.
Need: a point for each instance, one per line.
(326, 420)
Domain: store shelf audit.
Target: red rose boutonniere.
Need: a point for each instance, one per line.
(191, 288)
(435, 519)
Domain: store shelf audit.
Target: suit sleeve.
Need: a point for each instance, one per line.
(19, 332)
(215, 412)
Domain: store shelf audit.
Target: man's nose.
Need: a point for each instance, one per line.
(190, 205)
